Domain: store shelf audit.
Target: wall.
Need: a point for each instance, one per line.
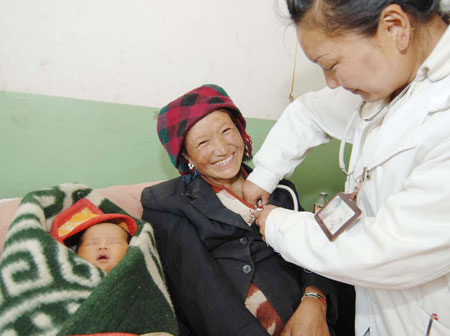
(148, 52)
(46, 141)
(79, 81)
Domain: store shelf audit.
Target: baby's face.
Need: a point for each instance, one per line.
(104, 245)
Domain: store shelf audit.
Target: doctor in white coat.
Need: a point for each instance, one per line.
(395, 57)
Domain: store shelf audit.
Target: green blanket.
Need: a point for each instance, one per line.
(47, 289)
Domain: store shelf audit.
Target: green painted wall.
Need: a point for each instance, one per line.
(46, 140)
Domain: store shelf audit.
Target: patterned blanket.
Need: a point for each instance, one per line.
(47, 289)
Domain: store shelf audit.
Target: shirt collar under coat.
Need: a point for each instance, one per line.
(202, 197)
(400, 126)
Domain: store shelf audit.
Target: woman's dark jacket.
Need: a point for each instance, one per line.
(210, 255)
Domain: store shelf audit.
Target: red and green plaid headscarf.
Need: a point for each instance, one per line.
(176, 118)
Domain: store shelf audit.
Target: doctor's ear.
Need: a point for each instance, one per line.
(395, 24)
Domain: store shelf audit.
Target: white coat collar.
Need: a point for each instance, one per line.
(437, 66)
(399, 130)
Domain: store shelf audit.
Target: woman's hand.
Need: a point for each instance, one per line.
(261, 218)
(308, 320)
(252, 193)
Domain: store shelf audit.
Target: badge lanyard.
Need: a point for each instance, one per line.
(342, 210)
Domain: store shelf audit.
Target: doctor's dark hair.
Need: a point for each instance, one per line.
(360, 16)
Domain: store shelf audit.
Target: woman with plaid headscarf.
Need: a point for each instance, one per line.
(223, 279)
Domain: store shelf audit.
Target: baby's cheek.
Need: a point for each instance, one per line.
(85, 253)
(124, 251)
(122, 254)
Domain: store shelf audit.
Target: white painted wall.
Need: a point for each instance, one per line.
(148, 52)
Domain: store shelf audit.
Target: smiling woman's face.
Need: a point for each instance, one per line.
(368, 66)
(104, 245)
(215, 147)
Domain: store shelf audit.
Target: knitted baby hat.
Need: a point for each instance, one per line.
(82, 215)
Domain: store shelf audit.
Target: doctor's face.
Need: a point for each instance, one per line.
(364, 65)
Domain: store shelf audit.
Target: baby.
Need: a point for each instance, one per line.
(104, 245)
(100, 238)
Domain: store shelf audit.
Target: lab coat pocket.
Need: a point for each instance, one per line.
(437, 328)
(435, 299)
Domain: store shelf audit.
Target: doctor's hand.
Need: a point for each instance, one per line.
(252, 193)
(261, 218)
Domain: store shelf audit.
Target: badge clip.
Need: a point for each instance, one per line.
(340, 211)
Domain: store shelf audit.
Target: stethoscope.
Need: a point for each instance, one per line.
(344, 141)
(359, 113)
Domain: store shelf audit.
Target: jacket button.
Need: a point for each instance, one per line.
(243, 240)
(247, 269)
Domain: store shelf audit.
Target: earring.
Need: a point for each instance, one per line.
(191, 166)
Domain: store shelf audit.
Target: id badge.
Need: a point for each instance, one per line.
(337, 215)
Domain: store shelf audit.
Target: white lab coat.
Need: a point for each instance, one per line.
(398, 253)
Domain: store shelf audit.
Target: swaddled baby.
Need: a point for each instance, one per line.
(102, 239)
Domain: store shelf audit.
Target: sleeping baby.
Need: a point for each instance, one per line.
(100, 238)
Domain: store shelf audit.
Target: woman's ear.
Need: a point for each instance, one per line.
(395, 25)
(186, 157)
